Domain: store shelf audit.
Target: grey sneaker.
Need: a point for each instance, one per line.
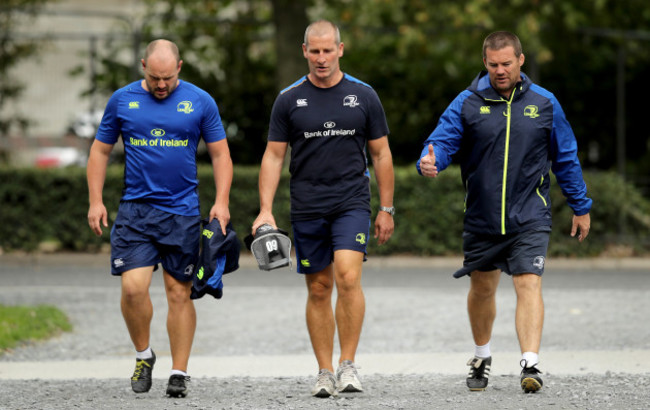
(348, 378)
(479, 372)
(141, 379)
(325, 384)
(530, 379)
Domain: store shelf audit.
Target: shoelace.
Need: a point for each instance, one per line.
(138, 368)
(474, 367)
(347, 371)
(324, 377)
(532, 369)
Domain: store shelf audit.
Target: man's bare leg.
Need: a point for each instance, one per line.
(136, 305)
(320, 316)
(481, 307)
(350, 302)
(481, 304)
(181, 321)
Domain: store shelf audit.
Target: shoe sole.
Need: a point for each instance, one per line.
(322, 394)
(351, 389)
(177, 395)
(139, 390)
(530, 385)
(477, 388)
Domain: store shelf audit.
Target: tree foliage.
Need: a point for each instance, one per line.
(418, 55)
(12, 51)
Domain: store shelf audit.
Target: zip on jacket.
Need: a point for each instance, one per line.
(531, 136)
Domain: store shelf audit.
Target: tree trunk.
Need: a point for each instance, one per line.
(290, 19)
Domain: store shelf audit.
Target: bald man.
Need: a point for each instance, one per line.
(161, 120)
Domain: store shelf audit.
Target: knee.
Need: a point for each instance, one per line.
(527, 283)
(482, 289)
(348, 282)
(319, 291)
(132, 293)
(178, 293)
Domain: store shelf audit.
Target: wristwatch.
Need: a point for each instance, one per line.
(388, 209)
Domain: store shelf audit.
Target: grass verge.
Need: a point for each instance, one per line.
(26, 323)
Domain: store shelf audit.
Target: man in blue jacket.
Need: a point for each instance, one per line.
(507, 133)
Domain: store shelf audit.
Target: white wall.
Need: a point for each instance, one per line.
(52, 97)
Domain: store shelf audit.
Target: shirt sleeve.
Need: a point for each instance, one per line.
(109, 128)
(377, 124)
(565, 162)
(447, 135)
(279, 122)
(211, 126)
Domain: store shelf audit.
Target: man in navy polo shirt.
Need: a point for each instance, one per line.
(328, 118)
(161, 120)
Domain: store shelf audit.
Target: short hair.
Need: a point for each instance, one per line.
(501, 39)
(320, 28)
(151, 48)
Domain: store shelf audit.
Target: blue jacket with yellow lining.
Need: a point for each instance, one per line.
(506, 148)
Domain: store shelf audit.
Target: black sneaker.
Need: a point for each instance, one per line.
(479, 371)
(530, 379)
(176, 386)
(141, 379)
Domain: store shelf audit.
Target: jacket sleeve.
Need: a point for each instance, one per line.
(565, 162)
(447, 135)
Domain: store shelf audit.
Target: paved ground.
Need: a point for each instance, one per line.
(252, 350)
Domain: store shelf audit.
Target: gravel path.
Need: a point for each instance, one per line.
(412, 308)
(609, 391)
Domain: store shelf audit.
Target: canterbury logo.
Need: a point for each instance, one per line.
(531, 111)
(484, 109)
(134, 105)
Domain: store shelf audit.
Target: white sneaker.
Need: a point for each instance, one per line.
(347, 378)
(325, 385)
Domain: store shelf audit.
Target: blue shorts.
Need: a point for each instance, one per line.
(317, 239)
(145, 236)
(523, 252)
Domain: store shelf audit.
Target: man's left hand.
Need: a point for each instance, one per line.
(581, 223)
(222, 213)
(384, 227)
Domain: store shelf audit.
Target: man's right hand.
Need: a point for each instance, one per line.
(428, 164)
(263, 218)
(97, 216)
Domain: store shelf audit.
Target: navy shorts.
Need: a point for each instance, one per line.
(317, 239)
(145, 236)
(524, 252)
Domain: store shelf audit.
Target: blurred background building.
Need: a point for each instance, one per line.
(58, 100)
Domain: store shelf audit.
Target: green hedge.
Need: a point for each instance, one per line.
(38, 206)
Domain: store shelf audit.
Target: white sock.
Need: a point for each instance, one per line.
(145, 354)
(530, 358)
(174, 371)
(482, 351)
